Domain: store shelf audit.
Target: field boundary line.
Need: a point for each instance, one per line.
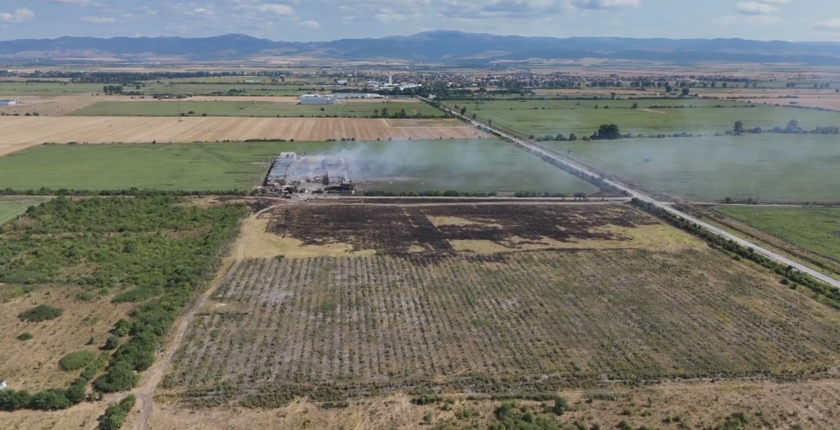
(146, 392)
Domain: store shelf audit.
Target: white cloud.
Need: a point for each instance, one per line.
(756, 8)
(99, 19)
(733, 21)
(310, 24)
(276, 9)
(774, 1)
(22, 14)
(830, 25)
(606, 4)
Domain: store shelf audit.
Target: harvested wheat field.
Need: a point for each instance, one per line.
(23, 132)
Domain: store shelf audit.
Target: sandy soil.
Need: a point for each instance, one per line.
(22, 132)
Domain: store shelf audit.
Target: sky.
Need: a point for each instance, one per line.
(313, 20)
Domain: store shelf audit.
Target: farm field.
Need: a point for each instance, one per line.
(11, 207)
(550, 117)
(254, 108)
(814, 229)
(23, 132)
(13, 88)
(766, 167)
(480, 165)
(486, 299)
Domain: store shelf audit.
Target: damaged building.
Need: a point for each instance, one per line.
(292, 173)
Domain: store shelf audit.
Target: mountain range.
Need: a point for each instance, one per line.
(431, 47)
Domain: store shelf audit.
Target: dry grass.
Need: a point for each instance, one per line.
(258, 243)
(809, 404)
(33, 364)
(22, 132)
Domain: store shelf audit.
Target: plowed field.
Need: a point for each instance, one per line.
(21, 132)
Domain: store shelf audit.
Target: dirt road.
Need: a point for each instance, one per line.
(646, 198)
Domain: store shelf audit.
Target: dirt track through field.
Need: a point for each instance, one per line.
(22, 132)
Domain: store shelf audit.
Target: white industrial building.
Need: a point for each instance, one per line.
(8, 102)
(317, 99)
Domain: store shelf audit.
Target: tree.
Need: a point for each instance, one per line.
(572, 137)
(463, 110)
(635, 106)
(739, 127)
(560, 406)
(607, 132)
(792, 126)
(686, 91)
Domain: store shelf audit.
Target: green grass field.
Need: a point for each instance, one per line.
(10, 207)
(814, 229)
(164, 87)
(765, 167)
(252, 108)
(550, 117)
(484, 165)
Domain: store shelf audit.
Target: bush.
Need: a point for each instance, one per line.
(41, 313)
(76, 360)
(112, 343)
(121, 328)
(115, 414)
(25, 336)
(119, 377)
(560, 406)
(11, 400)
(50, 400)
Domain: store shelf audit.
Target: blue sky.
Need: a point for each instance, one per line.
(307, 20)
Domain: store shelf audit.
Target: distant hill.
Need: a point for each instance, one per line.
(434, 47)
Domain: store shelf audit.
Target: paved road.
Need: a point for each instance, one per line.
(644, 197)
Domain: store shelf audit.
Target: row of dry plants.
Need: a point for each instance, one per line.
(342, 327)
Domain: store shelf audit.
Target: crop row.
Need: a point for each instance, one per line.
(527, 322)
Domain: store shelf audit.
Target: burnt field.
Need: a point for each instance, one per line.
(409, 230)
(488, 300)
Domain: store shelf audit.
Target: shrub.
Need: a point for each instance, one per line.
(25, 336)
(119, 377)
(41, 313)
(50, 400)
(115, 414)
(11, 400)
(560, 406)
(76, 360)
(112, 343)
(121, 328)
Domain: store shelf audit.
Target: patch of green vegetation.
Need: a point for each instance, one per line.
(466, 165)
(704, 116)
(764, 167)
(38, 313)
(814, 229)
(115, 415)
(371, 109)
(25, 336)
(76, 360)
(157, 243)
